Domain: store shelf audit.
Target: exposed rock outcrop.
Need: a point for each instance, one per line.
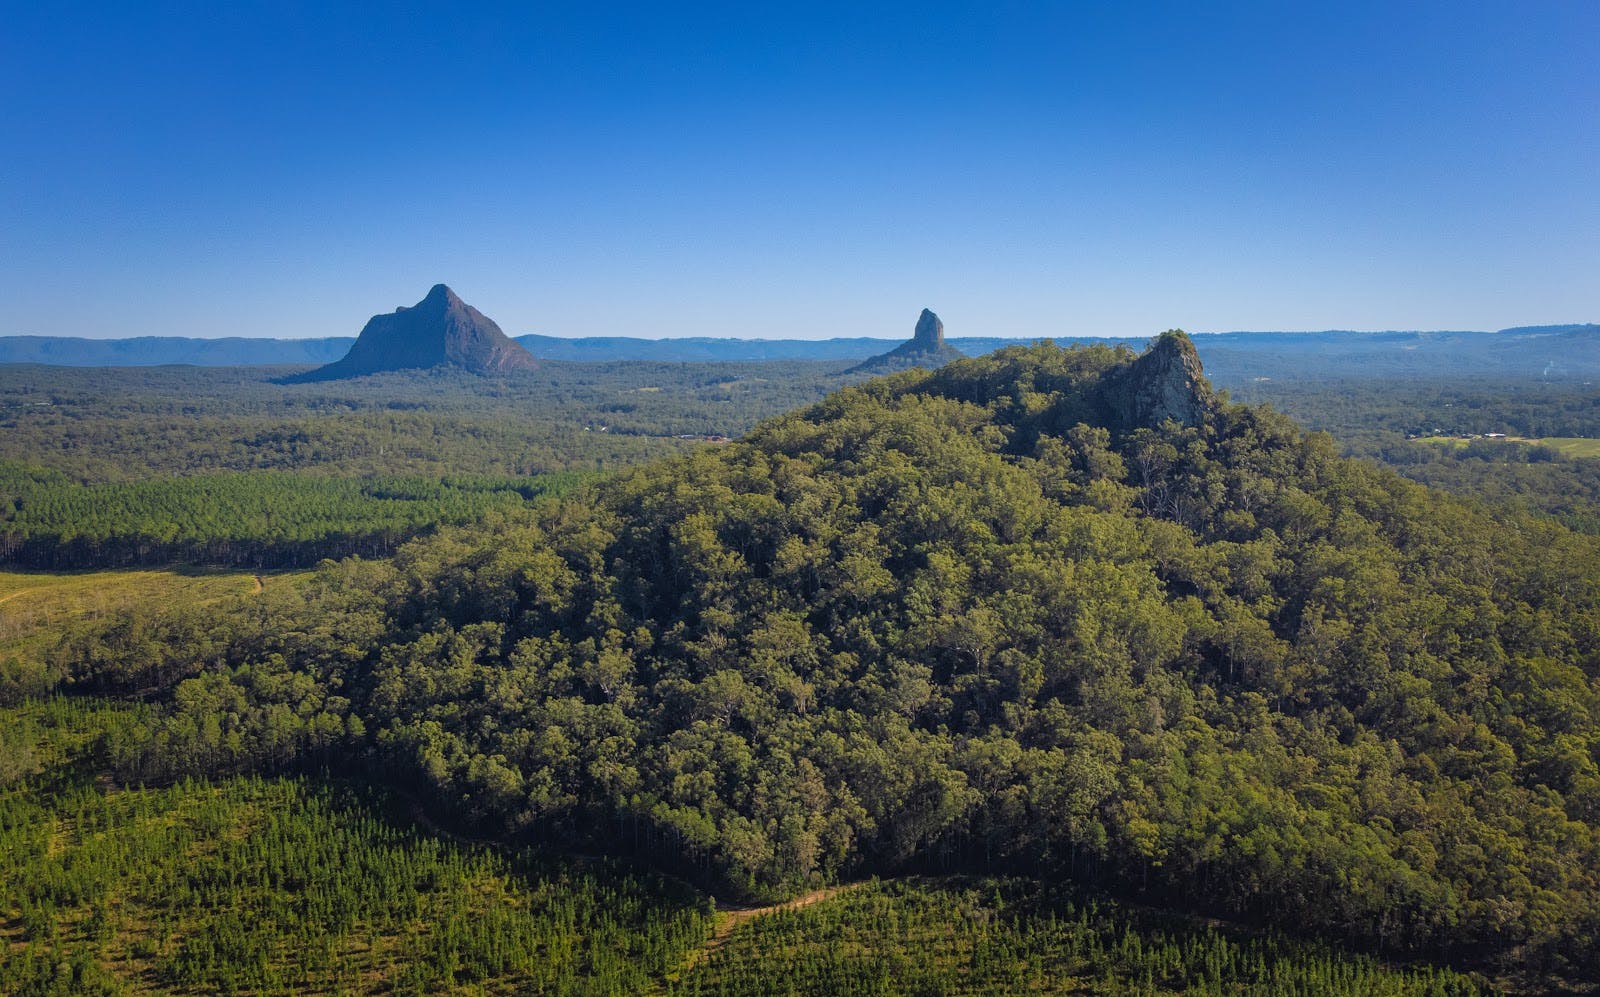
(1166, 382)
(925, 348)
(441, 330)
(929, 334)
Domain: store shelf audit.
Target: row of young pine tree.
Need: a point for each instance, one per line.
(286, 885)
(1008, 936)
(261, 520)
(253, 885)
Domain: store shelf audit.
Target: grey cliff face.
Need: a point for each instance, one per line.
(440, 330)
(1167, 382)
(930, 331)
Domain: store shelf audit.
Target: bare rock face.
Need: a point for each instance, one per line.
(440, 330)
(925, 348)
(1166, 382)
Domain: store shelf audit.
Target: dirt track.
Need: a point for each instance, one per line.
(730, 918)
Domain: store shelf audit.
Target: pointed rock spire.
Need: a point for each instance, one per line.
(925, 348)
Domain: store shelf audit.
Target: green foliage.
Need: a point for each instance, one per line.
(251, 885)
(1010, 937)
(564, 417)
(1353, 408)
(940, 619)
(1383, 420)
(235, 470)
(264, 519)
(38, 610)
(1521, 476)
(965, 620)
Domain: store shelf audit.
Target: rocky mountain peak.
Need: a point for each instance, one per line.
(441, 293)
(925, 348)
(441, 330)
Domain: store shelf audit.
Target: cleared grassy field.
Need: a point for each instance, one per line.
(1573, 446)
(1567, 446)
(991, 937)
(34, 606)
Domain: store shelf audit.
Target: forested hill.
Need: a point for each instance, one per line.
(1058, 610)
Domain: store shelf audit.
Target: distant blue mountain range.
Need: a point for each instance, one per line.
(1551, 350)
(149, 351)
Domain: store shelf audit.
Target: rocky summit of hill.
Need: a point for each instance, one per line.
(1167, 382)
(441, 330)
(925, 348)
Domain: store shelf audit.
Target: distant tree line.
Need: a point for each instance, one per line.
(102, 425)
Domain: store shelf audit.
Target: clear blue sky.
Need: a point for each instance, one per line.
(801, 169)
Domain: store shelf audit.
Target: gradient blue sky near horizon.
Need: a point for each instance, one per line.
(800, 170)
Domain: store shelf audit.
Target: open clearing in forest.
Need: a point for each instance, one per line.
(1573, 446)
(729, 919)
(1567, 446)
(33, 605)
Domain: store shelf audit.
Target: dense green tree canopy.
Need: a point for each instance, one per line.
(974, 618)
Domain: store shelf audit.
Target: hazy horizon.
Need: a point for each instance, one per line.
(887, 338)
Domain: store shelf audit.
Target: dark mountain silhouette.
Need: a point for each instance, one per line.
(441, 330)
(925, 348)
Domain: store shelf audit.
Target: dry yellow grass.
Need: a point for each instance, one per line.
(35, 605)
